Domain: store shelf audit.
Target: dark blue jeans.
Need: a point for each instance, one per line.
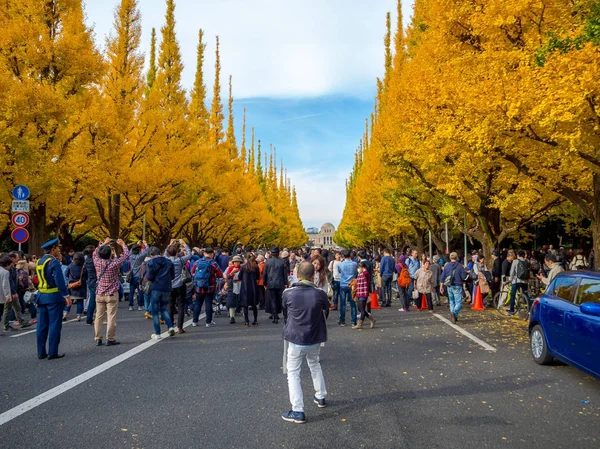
(386, 289)
(335, 285)
(158, 302)
(134, 291)
(206, 299)
(92, 304)
(346, 295)
(513, 294)
(409, 292)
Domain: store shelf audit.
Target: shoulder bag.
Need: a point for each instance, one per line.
(76, 284)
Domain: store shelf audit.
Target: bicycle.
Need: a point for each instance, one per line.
(502, 303)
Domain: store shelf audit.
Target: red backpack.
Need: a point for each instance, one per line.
(404, 277)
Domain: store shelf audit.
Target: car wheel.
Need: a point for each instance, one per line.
(539, 348)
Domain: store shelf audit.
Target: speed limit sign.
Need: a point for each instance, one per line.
(20, 220)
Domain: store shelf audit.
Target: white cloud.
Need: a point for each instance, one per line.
(321, 196)
(274, 48)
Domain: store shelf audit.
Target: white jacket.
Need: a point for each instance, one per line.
(4, 286)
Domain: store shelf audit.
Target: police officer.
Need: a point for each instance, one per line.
(52, 297)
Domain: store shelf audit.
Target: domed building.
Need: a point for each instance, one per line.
(324, 238)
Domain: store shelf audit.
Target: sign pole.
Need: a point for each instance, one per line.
(430, 247)
(447, 240)
(466, 247)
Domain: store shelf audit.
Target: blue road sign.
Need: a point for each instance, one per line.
(20, 193)
(20, 235)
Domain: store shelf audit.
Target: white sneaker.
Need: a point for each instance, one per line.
(140, 309)
(130, 309)
(211, 324)
(194, 324)
(171, 331)
(155, 337)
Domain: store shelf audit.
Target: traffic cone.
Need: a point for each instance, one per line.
(478, 303)
(374, 303)
(424, 302)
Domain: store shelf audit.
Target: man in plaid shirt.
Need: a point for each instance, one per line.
(108, 267)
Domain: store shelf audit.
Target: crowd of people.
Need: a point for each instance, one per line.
(179, 281)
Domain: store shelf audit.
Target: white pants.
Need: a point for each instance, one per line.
(294, 366)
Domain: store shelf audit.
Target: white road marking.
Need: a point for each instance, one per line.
(20, 334)
(466, 334)
(72, 383)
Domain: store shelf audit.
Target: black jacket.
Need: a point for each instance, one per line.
(506, 264)
(306, 308)
(14, 281)
(497, 268)
(92, 278)
(275, 275)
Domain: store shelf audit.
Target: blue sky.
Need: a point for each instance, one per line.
(305, 71)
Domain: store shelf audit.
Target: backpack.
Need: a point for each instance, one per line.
(202, 270)
(522, 270)
(580, 262)
(448, 280)
(404, 277)
(23, 278)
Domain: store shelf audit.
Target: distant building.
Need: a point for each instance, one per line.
(325, 236)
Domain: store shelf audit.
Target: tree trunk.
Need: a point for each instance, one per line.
(115, 216)
(37, 229)
(420, 240)
(195, 235)
(488, 245)
(595, 219)
(66, 238)
(163, 237)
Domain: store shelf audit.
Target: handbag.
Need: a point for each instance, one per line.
(186, 276)
(415, 294)
(76, 284)
(29, 296)
(147, 288)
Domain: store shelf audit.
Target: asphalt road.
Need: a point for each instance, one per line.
(412, 382)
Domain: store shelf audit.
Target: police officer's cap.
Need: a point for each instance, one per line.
(50, 244)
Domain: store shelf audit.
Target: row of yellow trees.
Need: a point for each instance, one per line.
(105, 146)
(488, 110)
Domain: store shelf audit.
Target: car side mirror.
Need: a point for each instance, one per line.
(591, 308)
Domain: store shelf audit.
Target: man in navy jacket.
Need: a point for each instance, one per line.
(305, 329)
(161, 272)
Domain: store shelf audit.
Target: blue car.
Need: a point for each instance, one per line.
(565, 322)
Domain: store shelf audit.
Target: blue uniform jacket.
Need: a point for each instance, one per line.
(54, 275)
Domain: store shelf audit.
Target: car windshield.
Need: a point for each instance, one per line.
(588, 291)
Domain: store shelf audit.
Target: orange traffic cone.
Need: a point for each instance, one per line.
(423, 302)
(478, 303)
(374, 303)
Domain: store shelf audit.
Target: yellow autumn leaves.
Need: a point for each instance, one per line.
(103, 143)
(471, 122)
